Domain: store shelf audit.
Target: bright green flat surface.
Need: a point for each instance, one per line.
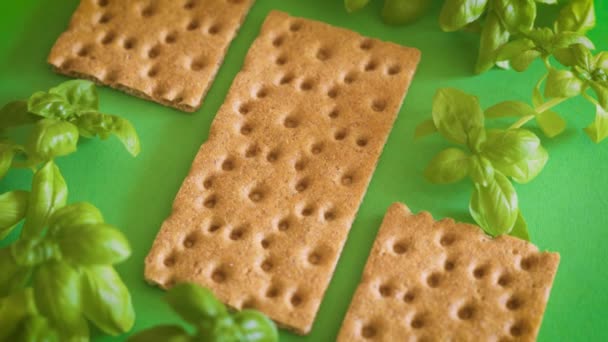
(566, 206)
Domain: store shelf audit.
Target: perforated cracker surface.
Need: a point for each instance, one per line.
(166, 51)
(263, 215)
(429, 280)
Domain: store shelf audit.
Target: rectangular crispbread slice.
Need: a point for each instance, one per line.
(167, 51)
(263, 215)
(428, 280)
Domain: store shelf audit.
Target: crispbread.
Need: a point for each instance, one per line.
(167, 51)
(445, 281)
(263, 215)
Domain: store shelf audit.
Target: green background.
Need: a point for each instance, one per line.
(565, 206)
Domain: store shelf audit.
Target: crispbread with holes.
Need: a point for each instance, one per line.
(429, 280)
(263, 215)
(167, 51)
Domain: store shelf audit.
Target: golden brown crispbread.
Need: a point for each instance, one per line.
(445, 281)
(263, 215)
(166, 51)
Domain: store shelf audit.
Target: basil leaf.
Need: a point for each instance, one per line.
(449, 166)
(598, 130)
(354, 5)
(195, 304)
(516, 153)
(481, 170)
(565, 57)
(75, 214)
(92, 244)
(520, 229)
(562, 83)
(57, 293)
(602, 93)
(509, 109)
(542, 37)
(7, 153)
(92, 124)
(12, 210)
(551, 123)
(163, 333)
(493, 36)
(37, 329)
(513, 49)
(53, 106)
(52, 138)
(222, 327)
(494, 207)
(601, 61)
(255, 327)
(521, 62)
(456, 14)
(582, 57)
(576, 16)
(517, 15)
(15, 114)
(13, 276)
(567, 39)
(106, 300)
(427, 127)
(505, 147)
(80, 94)
(48, 194)
(65, 100)
(526, 169)
(399, 12)
(13, 310)
(455, 113)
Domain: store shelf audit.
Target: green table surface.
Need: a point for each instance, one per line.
(566, 206)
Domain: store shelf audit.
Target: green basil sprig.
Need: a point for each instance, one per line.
(56, 120)
(566, 42)
(212, 322)
(59, 275)
(67, 253)
(502, 20)
(509, 38)
(587, 73)
(499, 21)
(492, 157)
